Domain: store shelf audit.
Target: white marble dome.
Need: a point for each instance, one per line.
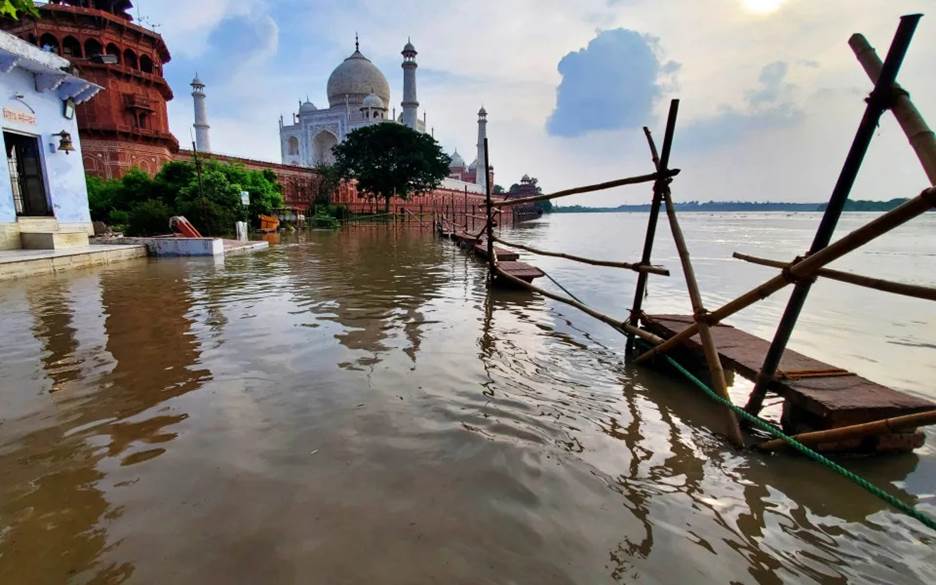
(373, 101)
(356, 78)
(457, 161)
(307, 107)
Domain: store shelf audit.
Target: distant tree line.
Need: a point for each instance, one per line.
(141, 205)
(715, 206)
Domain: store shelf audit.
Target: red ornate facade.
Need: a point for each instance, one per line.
(126, 125)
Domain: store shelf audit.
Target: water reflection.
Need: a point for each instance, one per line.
(376, 282)
(53, 503)
(355, 407)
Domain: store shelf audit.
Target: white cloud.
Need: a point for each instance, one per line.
(505, 55)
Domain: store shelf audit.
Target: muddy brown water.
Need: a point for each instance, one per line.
(354, 407)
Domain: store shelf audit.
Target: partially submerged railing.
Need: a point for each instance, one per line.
(801, 272)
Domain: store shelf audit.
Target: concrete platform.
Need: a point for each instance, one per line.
(24, 263)
(235, 247)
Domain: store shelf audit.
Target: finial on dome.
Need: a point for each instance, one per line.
(357, 44)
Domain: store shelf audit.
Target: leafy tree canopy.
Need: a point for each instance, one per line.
(16, 8)
(212, 203)
(390, 159)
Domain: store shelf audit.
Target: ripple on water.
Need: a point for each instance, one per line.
(355, 406)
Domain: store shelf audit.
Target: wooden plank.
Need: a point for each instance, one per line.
(838, 398)
(502, 253)
(521, 270)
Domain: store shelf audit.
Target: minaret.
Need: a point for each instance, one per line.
(481, 171)
(202, 141)
(410, 103)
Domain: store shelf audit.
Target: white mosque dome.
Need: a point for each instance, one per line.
(356, 78)
(307, 107)
(373, 101)
(457, 161)
(473, 165)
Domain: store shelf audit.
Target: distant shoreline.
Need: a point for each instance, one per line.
(735, 206)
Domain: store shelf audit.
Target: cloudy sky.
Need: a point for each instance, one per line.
(770, 93)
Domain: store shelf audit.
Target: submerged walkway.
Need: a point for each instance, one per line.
(23, 263)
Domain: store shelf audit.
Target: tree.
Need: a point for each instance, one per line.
(211, 202)
(15, 8)
(326, 184)
(389, 160)
(498, 189)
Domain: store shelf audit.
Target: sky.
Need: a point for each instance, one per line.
(770, 93)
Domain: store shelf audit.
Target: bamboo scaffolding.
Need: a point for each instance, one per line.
(921, 138)
(878, 427)
(908, 290)
(808, 266)
(636, 267)
(588, 188)
(621, 326)
(877, 103)
(713, 360)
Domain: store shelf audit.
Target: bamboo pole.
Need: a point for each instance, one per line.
(712, 358)
(908, 290)
(636, 267)
(621, 326)
(489, 225)
(808, 266)
(878, 427)
(650, 235)
(588, 188)
(921, 138)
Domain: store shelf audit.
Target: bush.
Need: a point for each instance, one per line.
(118, 217)
(148, 218)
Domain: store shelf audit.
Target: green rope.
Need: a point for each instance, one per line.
(774, 431)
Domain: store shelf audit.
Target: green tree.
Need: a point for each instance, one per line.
(498, 189)
(390, 159)
(211, 203)
(326, 183)
(16, 8)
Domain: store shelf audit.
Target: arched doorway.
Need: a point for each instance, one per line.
(322, 146)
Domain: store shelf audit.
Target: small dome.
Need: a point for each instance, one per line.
(473, 165)
(355, 78)
(373, 101)
(482, 112)
(457, 161)
(408, 47)
(525, 179)
(307, 107)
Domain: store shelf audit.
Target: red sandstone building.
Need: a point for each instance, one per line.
(128, 125)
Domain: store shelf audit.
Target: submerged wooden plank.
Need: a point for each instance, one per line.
(521, 270)
(831, 394)
(502, 253)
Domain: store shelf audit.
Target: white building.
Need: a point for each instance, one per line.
(358, 95)
(43, 194)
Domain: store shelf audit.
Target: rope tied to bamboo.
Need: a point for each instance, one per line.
(765, 426)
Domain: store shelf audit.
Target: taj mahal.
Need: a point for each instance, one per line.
(358, 96)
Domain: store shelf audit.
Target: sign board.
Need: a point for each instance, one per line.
(245, 198)
(19, 116)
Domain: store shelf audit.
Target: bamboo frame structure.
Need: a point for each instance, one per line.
(636, 267)
(712, 359)
(800, 273)
(868, 429)
(908, 290)
(808, 266)
(877, 103)
(587, 188)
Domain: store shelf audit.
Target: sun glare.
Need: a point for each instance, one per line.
(761, 6)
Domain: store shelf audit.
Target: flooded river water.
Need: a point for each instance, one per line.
(354, 407)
